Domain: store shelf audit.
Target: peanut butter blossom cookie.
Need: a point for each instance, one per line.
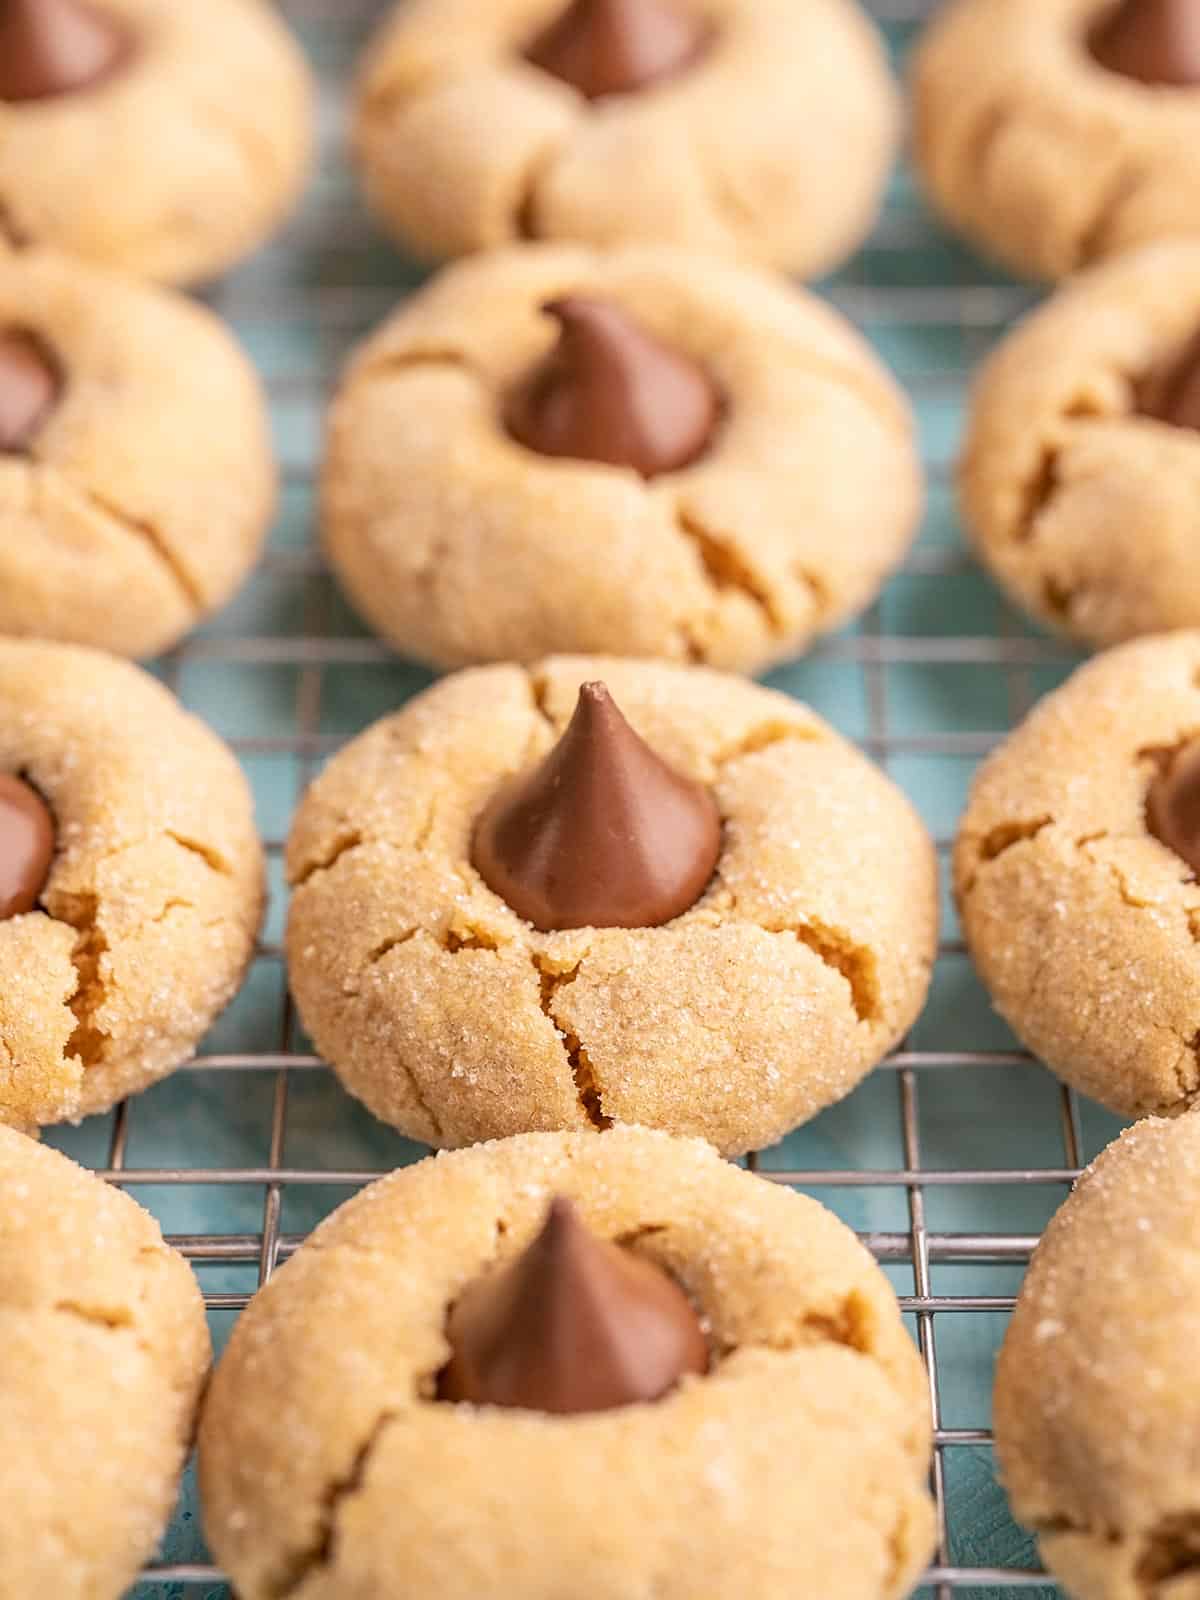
(1058, 132)
(166, 139)
(564, 1355)
(105, 1355)
(757, 128)
(136, 475)
(1082, 465)
(1077, 872)
(1097, 1407)
(606, 891)
(644, 453)
(131, 882)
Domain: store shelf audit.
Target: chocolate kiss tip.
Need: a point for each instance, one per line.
(614, 393)
(603, 833)
(29, 387)
(1155, 42)
(605, 47)
(573, 1325)
(27, 835)
(55, 47)
(1173, 806)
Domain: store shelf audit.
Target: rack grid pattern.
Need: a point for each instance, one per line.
(928, 682)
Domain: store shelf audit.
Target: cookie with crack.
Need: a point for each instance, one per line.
(1082, 462)
(1076, 871)
(106, 1350)
(166, 140)
(1056, 133)
(327, 1466)
(1096, 1402)
(131, 881)
(641, 453)
(759, 129)
(604, 890)
(137, 480)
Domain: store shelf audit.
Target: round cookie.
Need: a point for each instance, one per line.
(769, 135)
(135, 926)
(1076, 875)
(785, 496)
(1096, 1405)
(137, 480)
(169, 144)
(106, 1351)
(329, 1465)
(1042, 153)
(736, 1017)
(1082, 462)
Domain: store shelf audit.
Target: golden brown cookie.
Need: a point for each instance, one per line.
(169, 146)
(769, 136)
(1097, 1409)
(328, 1466)
(1076, 874)
(1082, 462)
(105, 1354)
(137, 929)
(1042, 153)
(806, 957)
(136, 476)
(461, 544)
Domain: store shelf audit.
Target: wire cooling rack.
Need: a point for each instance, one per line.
(948, 1161)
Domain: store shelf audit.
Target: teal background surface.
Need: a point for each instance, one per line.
(929, 680)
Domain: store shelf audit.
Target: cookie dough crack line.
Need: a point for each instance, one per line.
(88, 1041)
(587, 1085)
(1094, 242)
(1168, 1549)
(727, 570)
(841, 953)
(145, 532)
(320, 1553)
(374, 956)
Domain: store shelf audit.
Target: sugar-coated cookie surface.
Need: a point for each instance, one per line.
(805, 959)
(1096, 1408)
(1080, 500)
(105, 1352)
(1040, 153)
(773, 144)
(461, 545)
(176, 162)
(1083, 924)
(328, 1468)
(140, 496)
(147, 921)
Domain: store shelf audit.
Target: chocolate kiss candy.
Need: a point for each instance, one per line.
(53, 47)
(612, 392)
(1174, 394)
(1173, 806)
(602, 834)
(603, 47)
(29, 386)
(575, 1324)
(1154, 41)
(26, 846)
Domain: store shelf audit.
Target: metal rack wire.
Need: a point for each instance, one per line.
(345, 299)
